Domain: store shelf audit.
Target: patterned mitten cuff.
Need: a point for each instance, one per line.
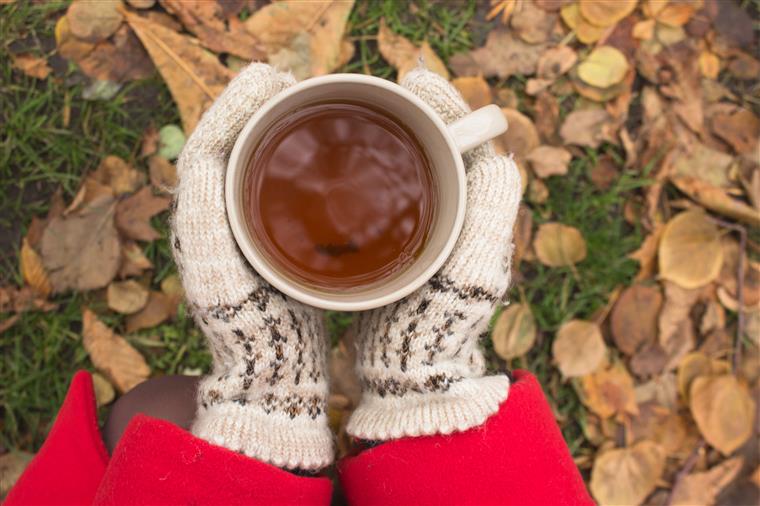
(419, 359)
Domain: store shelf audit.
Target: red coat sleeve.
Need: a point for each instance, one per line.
(518, 457)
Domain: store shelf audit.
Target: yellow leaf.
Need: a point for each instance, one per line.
(604, 67)
(126, 297)
(709, 64)
(118, 174)
(405, 56)
(104, 392)
(585, 31)
(644, 30)
(31, 65)
(579, 348)
(605, 13)
(626, 476)
(609, 392)
(703, 488)
(474, 90)
(163, 174)
(521, 138)
(157, 310)
(559, 245)
(514, 332)
(94, 20)
(690, 252)
(112, 354)
(723, 410)
(33, 271)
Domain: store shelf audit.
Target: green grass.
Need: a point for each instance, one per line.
(39, 153)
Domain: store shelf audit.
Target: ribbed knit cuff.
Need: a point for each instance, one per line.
(466, 404)
(297, 443)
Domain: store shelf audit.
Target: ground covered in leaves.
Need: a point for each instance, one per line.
(636, 296)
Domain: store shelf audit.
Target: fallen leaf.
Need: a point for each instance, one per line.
(556, 61)
(172, 288)
(141, 4)
(32, 66)
(740, 129)
(690, 252)
(649, 361)
(94, 20)
(522, 235)
(133, 214)
(604, 172)
(704, 487)
(676, 331)
(733, 23)
(163, 174)
(9, 322)
(646, 255)
(90, 191)
(549, 161)
(81, 251)
(606, 12)
(677, 13)
(633, 321)
(521, 137)
(538, 192)
(546, 112)
(578, 349)
(194, 76)
(503, 55)
(104, 392)
(723, 410)
(532, 25)
(112, 354)
(609, 392)
(33, 271)
(405, 56)
(695, 365)
(118, 174)
(713, 318)
(744, 67)
(306, 37)
(171, 140)
(559, 245)
(474, 90)
(660, 425)
(627, 475)
(12, 465)
(587, 127)
(604, 67)
(709, 64)
(149, 143)
(644, 30)
(134, 260)
(584, 30)
(514, 332)
(701, 162)
(126, 297)
(157, 310)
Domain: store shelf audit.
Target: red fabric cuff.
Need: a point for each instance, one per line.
(518, 457)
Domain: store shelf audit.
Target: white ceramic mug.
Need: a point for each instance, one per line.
(443, 145)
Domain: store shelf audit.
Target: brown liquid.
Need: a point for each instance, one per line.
(339, 195)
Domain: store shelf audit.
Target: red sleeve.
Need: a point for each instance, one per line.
(69, 466)
(518, 457)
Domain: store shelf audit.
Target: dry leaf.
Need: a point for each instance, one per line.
(474, 90)
(163, 174)
(556, 61)
(695, 365)
(662, 426)
(646, 255)
(157, 310)
(709, 64)
(521, 137)
(94, 20)
(194, 76)
(538, 192)
(740, 129)
(149, 143)
(306, 37)
(503, 55)
(135, 261)
(12, 465)
(649, 361)
(606, 12)
(533, 25)
(585, 31)
(81, 251)
(703, 488)
(172, 288)
(514, 332)
(33, 271)
(676, 331)
(604, 67)
(626, 476)
(701, 162)
(586, 128)
(522, 235)
(118, 175)
(126, 297)
(604, 172)
(133, 214)
(104, 392)
(112, 354)
(559, 245)
(578, 348)
(32, 66)
(549, 161)
(405, 56)
(723, 410)
(690, 252)
(546, 112)
(634, 319)
(609, 392)
(745, 67)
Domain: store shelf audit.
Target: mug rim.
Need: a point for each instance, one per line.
(243, 238)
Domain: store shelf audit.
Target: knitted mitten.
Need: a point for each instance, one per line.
(266, 395)
(418, 359)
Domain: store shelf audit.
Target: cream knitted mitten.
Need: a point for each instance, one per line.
(266, 396)
(418, 359)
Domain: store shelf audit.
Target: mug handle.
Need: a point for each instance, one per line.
(478, 127)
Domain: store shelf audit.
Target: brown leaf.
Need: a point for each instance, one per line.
(81, 251)
(90, 191)
(609, 392)
(112, 354)
(546, 112)
(133, 214)
(306, 37)
(604, 172)
(94, 20)
(533, 25)
(745, 67)
(118, 174)
(538, 192)
(503, 55)
(207, 21)
(194, 76)
(589, 127)
(514, 332)
(627, 475)
(135, 261)
(605, 66)
(32, 66)
(579, 348)
(522, 235)
(660, 425)
(646, 255)
(474, 90)
(163, 174)
(695, 365)
(556, 61)
(12, 465)
(676, 331)
(733, 23)
(690, 252)
(33, 271)
(723, 410)
(521, 137)
(172, 288)
(649, 361)
(9, 322)
(606, 12)
(149, 141)
(157, 310)
(740, 129)
(559, 245)
(104, 392)
(634, 319)
(704, 487)
(701, 162)
(126, 297)
(549, 161)
(405, 56)
(141, 4)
